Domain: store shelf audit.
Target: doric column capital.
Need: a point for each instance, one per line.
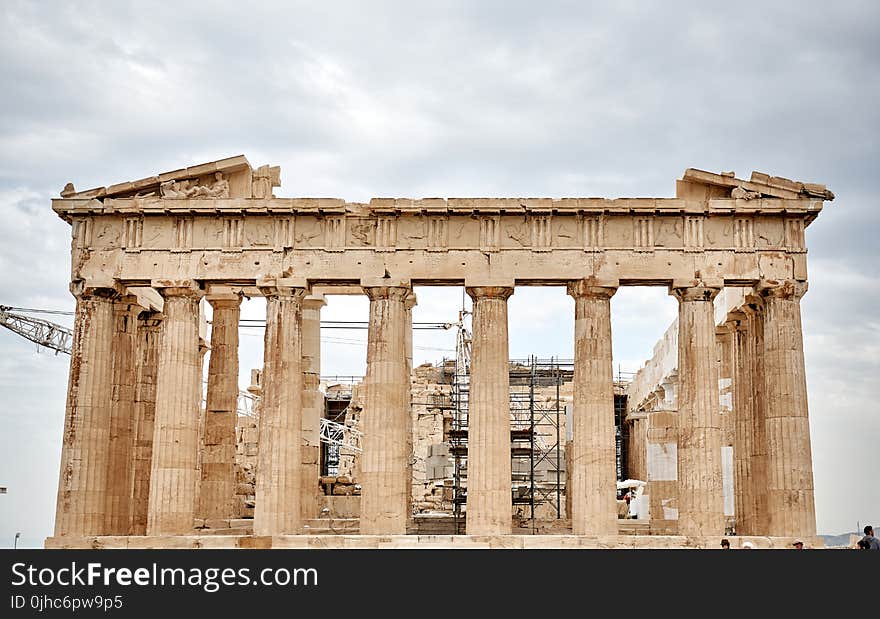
(694, 293)
(223, 297)
(753, 304)
(183, 288)
(221, 304)
(725, 329)
(314, 301)
(386, 281)
(394, 293)
(489, 292)
(284, 292)
(590, 288)
(737, 318)
(150, 320)
(781, 289)
(126, 309)
(632, 416)
(86, 290)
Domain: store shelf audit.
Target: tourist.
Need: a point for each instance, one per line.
(873, 542)
(725, 544)
(798, 544)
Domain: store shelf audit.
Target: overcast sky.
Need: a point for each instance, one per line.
(355, 100)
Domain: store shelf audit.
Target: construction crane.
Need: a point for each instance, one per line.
(39, 331)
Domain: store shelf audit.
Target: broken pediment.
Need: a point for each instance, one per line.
(701, 185)
(232, 177)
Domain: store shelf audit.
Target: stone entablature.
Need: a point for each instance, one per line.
(189, 241)
(697, 235)
(587, 224)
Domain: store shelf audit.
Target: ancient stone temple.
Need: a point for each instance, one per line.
(141, 462)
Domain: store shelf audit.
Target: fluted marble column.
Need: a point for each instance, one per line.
(313, 403)
(278, 494)
(82, 481)
(637, 446)
(791, 504)
(754, 310)
(217, 486)
(385, 474)
(700, 498)
(174, 470)
(117, 504)
(593, 458)
(409, 303)
(743, 483)
(149, 332)
(489, 498)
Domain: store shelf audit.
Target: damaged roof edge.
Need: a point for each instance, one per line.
(228, 164)
(764, 184)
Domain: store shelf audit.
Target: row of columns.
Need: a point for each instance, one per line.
(773, 471)
(103, 481)
(130, 455)
(773, 474)
(772, 462)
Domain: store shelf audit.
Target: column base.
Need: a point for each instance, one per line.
(585, 542)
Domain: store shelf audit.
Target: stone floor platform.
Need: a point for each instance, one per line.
(422, 541)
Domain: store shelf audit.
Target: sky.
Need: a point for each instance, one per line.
(355, 100)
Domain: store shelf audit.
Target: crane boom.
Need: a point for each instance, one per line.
(37, 330)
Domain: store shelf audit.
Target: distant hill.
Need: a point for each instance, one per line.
(838, 540)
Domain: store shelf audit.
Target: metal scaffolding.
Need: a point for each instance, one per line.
(537, 456)
(538, 420)
(537, 444)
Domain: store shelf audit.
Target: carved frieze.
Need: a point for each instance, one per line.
(183, 233)
(516, 232)
(694, 239)
(437, 233)
(567, 233)
(134, 233)
(187, 188)
(769, 233)
(643, 233)
(191, 230)
(308, 232)
(233, 233)
(82, 232)
(386, 233)
(360, 232)
(592, 232)
(794, 234)
(744, 234)
(283, 233)
(490, 233)
(541, 232)
(334, 233)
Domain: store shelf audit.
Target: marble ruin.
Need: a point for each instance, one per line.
(144, 464)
